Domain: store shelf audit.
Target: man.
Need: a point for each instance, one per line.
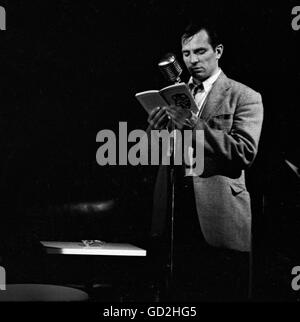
(213, 214)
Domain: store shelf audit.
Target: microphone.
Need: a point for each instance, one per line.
(170, 68)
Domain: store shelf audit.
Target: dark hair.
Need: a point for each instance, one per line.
(194, 27)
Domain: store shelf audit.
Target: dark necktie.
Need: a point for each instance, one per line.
(196, 89)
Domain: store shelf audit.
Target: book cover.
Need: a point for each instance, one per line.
(176, 94)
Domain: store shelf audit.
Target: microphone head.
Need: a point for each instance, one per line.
(170, 68)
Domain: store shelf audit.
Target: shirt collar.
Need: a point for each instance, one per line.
(208, 83)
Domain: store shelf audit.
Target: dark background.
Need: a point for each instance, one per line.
(69, 70)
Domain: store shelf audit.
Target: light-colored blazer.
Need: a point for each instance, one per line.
(231, 118)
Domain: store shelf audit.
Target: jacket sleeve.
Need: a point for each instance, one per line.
(235, 147)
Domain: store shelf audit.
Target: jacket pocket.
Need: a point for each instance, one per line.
(221, 122)
(237, 188)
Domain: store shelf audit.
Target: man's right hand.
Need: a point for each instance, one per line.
(158, 118)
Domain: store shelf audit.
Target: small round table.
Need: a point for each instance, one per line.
(41, 293)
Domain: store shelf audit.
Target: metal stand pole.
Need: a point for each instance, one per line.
(170, 265)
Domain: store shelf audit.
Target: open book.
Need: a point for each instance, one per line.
(177, 94)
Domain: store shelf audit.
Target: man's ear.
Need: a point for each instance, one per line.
(219, 51)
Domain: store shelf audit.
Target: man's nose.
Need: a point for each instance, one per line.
(194, 58)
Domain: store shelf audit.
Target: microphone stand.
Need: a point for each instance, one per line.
(171, 202)
(172, 71)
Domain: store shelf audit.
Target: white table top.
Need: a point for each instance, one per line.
(107, 249)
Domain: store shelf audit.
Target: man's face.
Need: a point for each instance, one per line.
(199, 57)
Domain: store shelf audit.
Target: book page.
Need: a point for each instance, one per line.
(150, 100)
(179, 95)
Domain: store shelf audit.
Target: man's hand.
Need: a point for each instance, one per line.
(158, 118)
(180, 116)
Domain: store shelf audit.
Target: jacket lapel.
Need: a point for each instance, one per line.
(215, 97)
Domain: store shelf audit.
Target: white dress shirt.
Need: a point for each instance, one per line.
(199, 97)
(202, 94)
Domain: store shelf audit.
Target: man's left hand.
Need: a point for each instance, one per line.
(180, 116)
